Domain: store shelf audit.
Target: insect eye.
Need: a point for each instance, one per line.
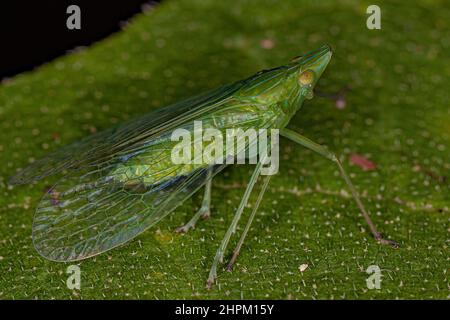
(306, 77)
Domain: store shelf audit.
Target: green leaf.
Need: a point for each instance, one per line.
(396, 115)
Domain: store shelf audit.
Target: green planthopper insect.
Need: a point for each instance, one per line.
(121, 181)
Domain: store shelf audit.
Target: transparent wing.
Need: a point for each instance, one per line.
(84, 216)
(96, 206)
(110, 145)
(101, 207)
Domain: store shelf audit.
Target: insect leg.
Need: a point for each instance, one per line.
(205, 209)
(298, 138)
(249, 222)
(232, 228)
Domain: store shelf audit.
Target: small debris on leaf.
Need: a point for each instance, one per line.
(340, 103)
(362, 162)
(267, 44)
(303, 267)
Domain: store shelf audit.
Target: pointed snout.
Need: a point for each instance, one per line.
(318, 59)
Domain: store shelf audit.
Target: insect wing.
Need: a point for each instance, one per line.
(111, 145)
(95, 207)
(78, 219)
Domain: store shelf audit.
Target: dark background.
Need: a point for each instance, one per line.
(34, 32)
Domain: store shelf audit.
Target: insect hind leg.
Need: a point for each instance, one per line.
(237, 250)
(218, 258)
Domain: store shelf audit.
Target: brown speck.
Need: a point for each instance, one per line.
(56, 136)
(267, 44)
(340, 103)
(362, 162)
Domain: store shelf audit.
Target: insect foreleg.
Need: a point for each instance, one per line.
(232, 228)
(298, 138)
(205, 209)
